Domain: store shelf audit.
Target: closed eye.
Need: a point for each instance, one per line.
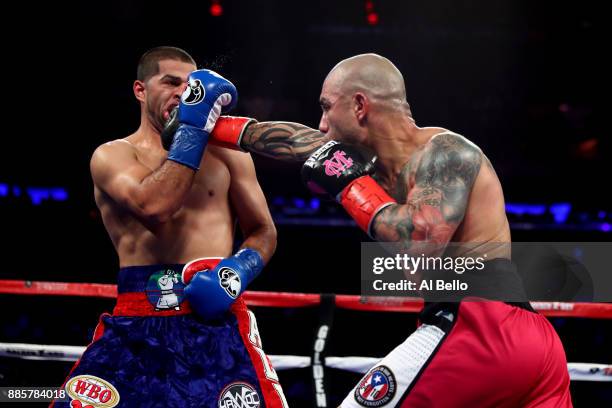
(325, 105)
(172, 80)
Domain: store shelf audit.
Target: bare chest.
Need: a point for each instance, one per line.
(211, 183)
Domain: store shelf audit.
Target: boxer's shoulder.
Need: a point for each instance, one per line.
(114, 146)
(235, 160)
(448, 139)
(448, 147)
(111, 152)
(444, 156)
(226, 154)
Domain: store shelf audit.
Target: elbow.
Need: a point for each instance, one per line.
(157, 214)
(152, 208)
(158, 217)
(270, 235)
(265, 237)
(273, 238)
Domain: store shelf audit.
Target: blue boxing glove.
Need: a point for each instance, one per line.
(208, 94)
(211, 292)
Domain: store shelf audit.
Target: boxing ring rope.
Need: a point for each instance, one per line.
(286, 299)
(577, 371)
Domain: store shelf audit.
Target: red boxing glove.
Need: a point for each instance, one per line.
(228, 131)
(342, 171)
(363, 199)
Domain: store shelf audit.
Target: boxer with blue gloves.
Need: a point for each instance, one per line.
(210, 293)
(171, 209)
(207, 95)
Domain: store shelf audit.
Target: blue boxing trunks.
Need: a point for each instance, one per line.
(154, 352)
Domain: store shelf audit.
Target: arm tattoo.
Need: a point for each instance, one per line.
(283, 140)
(441, 176)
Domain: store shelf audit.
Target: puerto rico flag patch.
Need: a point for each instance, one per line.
(377, 388)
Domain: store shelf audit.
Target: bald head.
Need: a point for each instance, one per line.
(371, 74)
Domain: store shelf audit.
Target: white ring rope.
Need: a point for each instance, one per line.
(577, 371)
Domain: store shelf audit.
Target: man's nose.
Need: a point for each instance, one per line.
(180, 89)
(323, 126)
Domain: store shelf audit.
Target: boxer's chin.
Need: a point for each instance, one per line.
(160, 122)
(342, 138)
(334, 136)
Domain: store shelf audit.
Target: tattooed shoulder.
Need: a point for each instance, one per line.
(435, 185)
(443, 171)
(448, 157)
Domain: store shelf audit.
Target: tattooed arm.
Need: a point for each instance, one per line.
(434, 207)
(282, 140)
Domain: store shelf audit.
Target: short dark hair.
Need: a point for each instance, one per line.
(149, 62)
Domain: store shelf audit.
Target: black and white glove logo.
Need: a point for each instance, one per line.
(230, 281)
(194, 93)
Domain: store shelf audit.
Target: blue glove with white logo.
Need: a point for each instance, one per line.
(208, 95)
(211, 292)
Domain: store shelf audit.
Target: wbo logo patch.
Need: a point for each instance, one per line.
(165, 290)
(239, 395)
(230, 281)
(90, 391)
(377, 388)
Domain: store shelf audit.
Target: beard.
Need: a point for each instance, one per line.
(157, 120)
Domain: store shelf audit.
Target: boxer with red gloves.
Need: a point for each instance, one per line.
(429, 186)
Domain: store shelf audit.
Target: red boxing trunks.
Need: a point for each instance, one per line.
(473, 353)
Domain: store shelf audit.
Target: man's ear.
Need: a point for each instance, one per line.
(361, 106)
(139, 90)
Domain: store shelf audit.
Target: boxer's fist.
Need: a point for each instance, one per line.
(334, 166)
(343, 171)
(211, 292)
(207, 95)
(186, 132)
(227, 133)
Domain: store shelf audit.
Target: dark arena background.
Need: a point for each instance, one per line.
(524, 80)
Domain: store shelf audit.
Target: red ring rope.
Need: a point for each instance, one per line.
(284, 299)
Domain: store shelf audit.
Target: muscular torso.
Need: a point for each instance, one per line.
(482, 220)
(203, 227)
